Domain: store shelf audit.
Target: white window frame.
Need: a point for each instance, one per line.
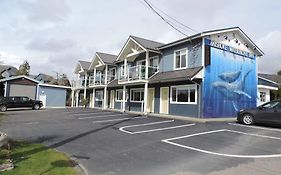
(186, 58)
(110, 69)
(121, 90)
(152, 58)
(183, 87)
(131, 96)
(263, 99)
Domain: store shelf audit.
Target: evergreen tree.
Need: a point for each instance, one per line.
(24, 68)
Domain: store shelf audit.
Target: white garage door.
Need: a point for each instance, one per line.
(23, 90)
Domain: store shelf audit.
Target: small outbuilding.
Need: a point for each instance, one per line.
(52, 96)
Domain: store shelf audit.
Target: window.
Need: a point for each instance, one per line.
(137, 95)
(122, 70)
(119, 95)
(272, 105)
(24, 98)
(99, 96)
(180, 61)
(154, 62)
(263, 96)
(184, 94)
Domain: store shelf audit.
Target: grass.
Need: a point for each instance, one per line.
(30, 159)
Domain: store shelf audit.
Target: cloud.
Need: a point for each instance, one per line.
(10, 59)
(50, 45)
(270, 62)
(39, 11)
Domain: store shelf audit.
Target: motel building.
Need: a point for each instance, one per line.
(212, 74)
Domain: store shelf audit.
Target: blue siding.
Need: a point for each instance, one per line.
(194, 55)
(135, 106)
(55, 97)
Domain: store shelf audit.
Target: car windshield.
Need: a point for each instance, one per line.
(272, 104)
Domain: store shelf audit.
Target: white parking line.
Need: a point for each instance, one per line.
(90, 113)
(255, 127)
(82, 111)
(169, 141)
(100, 116)
(152, 130)
(31, 123)
(120, 119)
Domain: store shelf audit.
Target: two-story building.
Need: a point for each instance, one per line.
(207, 75)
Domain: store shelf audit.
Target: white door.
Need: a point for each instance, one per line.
(150, 98)
(164, 100)
(112, 99)
(43, 98)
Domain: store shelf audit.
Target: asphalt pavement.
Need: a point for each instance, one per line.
(114, 143)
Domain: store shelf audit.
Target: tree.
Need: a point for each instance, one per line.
(63, 80)
(279, 72)
(24, 68)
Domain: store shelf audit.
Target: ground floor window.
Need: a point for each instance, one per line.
(184, 94)
(119, 95)
(99, 96)
(137, 95)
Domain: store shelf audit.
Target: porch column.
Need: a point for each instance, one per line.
(124, 99)
(105, 89)
(146, 64)
(146, 84)
(72, 98)
(77, 98)
(95, 73)
(93, 99)
(85, 85)
(125, 68)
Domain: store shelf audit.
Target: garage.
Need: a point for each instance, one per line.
(52, 96)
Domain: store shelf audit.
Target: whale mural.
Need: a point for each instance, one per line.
(230, 84)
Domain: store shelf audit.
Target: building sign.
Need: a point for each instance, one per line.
(228, 48)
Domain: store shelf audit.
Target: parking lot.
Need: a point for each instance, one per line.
(108, 142)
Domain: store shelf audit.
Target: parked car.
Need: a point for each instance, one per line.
(267, 113)
(19, 102)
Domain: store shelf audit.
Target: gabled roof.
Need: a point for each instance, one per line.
(146, 43)
(143, 44)
(259, 52)
(84, 65)
(175, 75)
(18, 77)
(107, 58)
(271, 77)
(43, 77)
(11, 69)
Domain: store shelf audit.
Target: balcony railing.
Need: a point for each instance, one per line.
(79, 83)
(136, 73)
(100, 79)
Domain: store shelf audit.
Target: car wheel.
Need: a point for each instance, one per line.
(248, 119)
(3, 108)
(36, 107)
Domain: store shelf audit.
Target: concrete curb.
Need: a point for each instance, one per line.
(79, 167)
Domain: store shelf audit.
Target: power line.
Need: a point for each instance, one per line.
(165, 20)
(182, 24)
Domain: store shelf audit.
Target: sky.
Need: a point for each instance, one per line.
(54, 34)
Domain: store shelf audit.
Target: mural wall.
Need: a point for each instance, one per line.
(230, 83)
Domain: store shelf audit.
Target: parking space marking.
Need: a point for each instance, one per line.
(123, 129)
(90, 113)
(169, 141)
(255, 127)
(31, 123)
(120, 119)
(100, 116)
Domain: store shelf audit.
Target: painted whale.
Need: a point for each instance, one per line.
(232, 90)
(230, 77)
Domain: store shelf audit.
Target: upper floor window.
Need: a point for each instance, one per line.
(154, 62)
(180, 59)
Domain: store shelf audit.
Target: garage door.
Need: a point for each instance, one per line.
(23, 90)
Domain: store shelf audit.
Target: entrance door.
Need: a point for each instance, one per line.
(150, 100)
(112, 99)
(164, 100)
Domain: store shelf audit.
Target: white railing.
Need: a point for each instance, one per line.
(100, 79)
(136, 73)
